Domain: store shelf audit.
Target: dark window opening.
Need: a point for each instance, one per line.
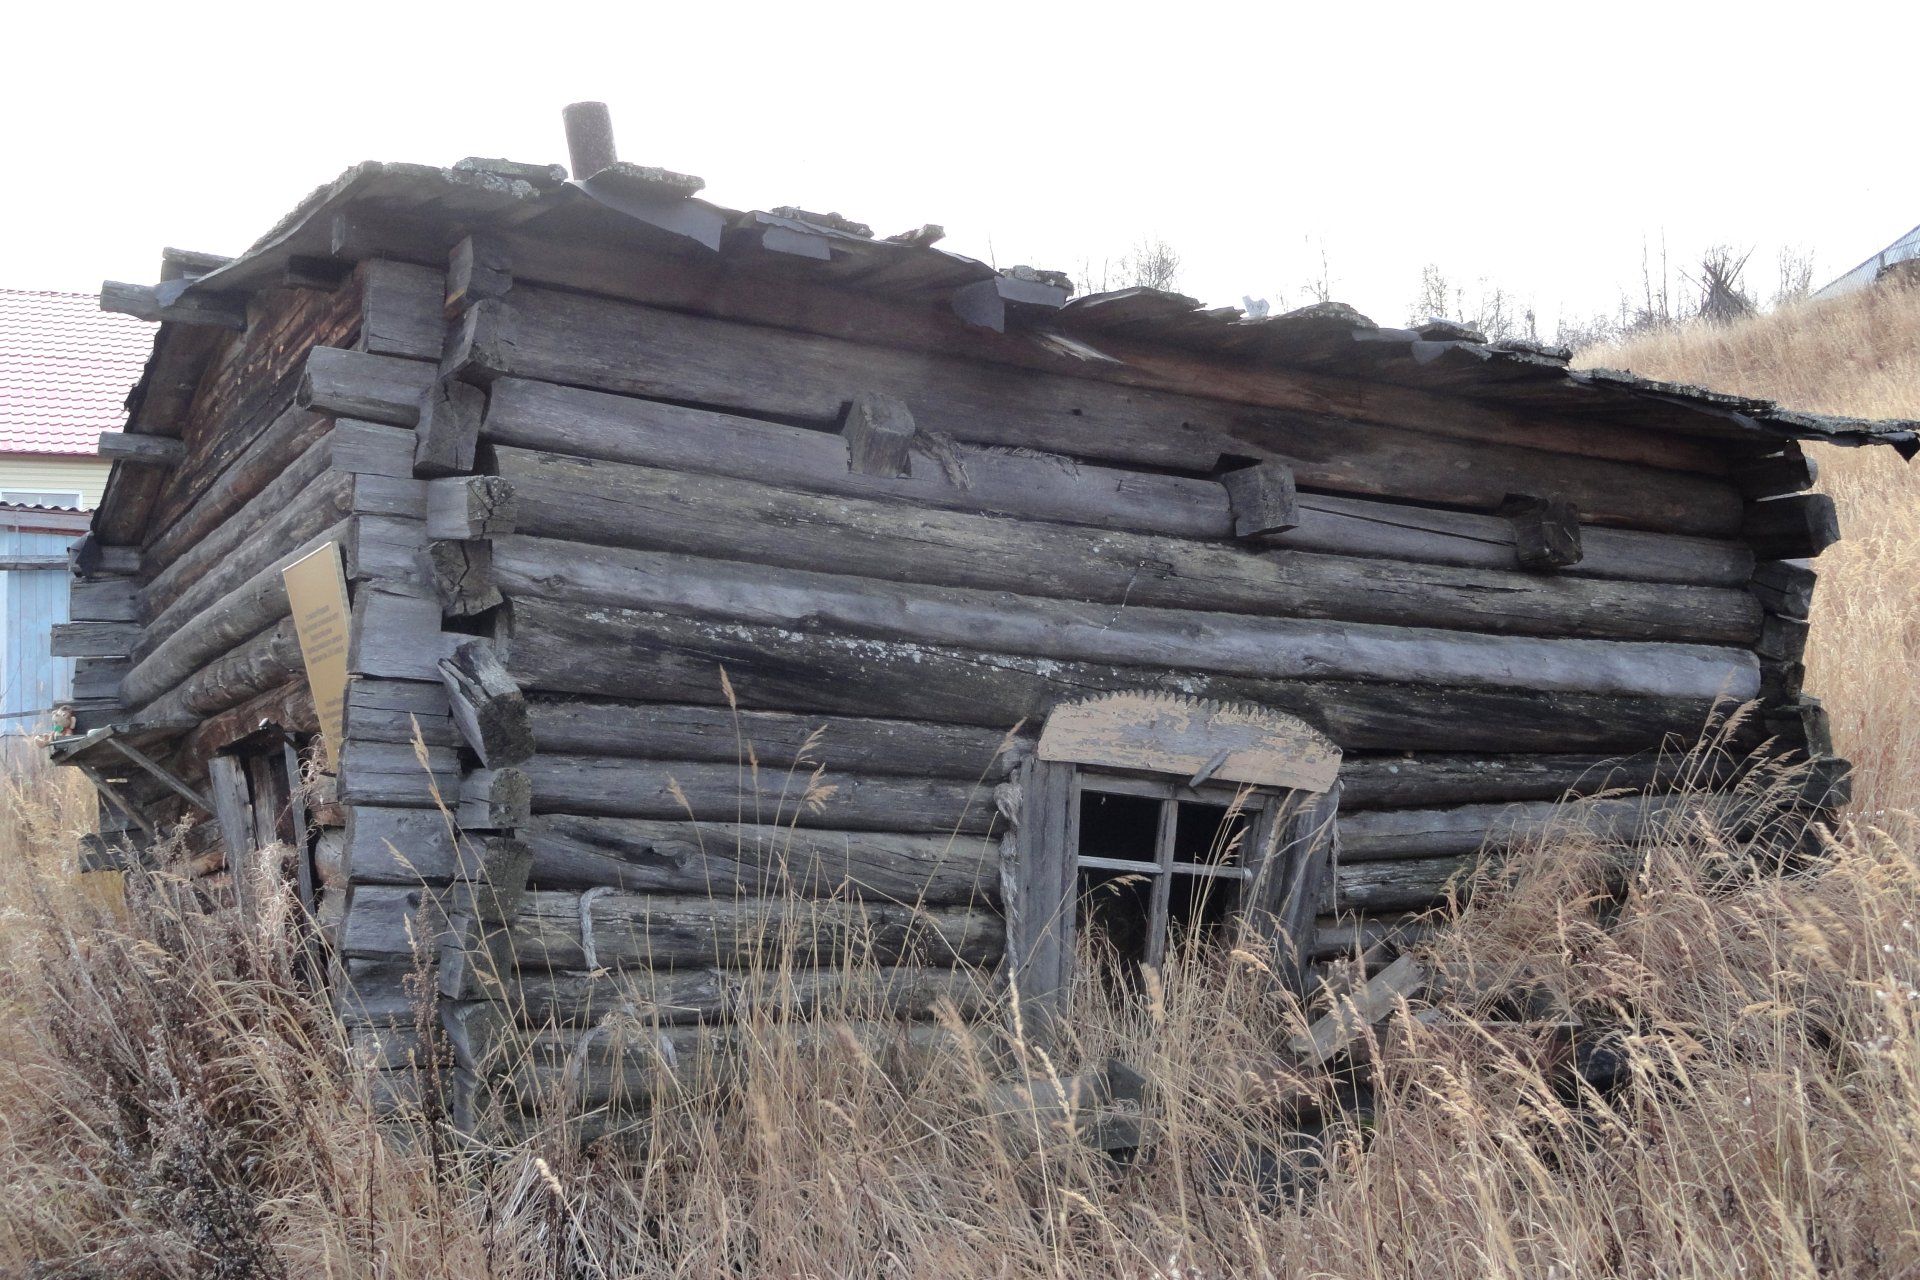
(1158, 867)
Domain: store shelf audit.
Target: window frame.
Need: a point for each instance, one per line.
(1264, 807)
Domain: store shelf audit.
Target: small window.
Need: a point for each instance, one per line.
(1158, 864)
(41, 497)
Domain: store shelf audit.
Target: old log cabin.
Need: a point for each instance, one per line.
(1102, 613)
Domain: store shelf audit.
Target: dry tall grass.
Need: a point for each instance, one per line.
(1856, 356)
(175, 1105)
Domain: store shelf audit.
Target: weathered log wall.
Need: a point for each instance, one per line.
(662, 628)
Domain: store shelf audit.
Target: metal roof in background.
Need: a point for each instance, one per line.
(65, 368)
(1905, 249)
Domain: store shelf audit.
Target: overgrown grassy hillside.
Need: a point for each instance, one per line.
(172, 1104)
(1858, 356)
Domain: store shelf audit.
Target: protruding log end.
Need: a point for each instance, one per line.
(589, 138)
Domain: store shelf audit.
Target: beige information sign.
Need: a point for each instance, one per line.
(317, 590)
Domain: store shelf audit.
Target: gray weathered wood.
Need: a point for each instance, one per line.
(879, 432)
(495, 799)
(632, 930)
(399, 710)
(732, 858)
(1037, 886)
(624, 505)
(589, 424)
(463, 576)
(1304, 877)
(596, 342)
(359, 384)
(385, 845)
(251, 607)
(1262, 498)
(100, 600)
(857, 744)
(92, 639)
(280, 454)
(542, 998)
(267, 661)
(1274, 648)
(141, 450)
(480, 266)
(144, 302)
(1401, 885)
(709, 791)
(449, 432)
(401, 309)
(465, 507)
(390, 774)
(370, 448)
(1433, 833)
(233, 812)
(488, 707)
(557, 648)
(397, 636)
(1426, 781)
(1546, 532)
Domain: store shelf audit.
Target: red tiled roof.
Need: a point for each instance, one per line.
(65, 368)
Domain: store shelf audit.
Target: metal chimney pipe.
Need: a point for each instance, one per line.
(589, 138)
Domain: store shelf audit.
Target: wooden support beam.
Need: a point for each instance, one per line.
(1796, 528)
(480, 267)
(401, 309)
(879, 431)
(357, 384)
(93, 639)
(141, 450)
(1787, 472)
(462, 508)
(148, 302)
(1263, 499)
(1546, 532)
(97, 599)
(449, 430)
(488, 707)
(165, 775)
(233, 810)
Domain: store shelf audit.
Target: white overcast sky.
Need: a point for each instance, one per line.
(1535, 146)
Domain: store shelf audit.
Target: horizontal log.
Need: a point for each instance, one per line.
(1339, 937)
(622, 505)
(558, 648)
(546, 998)
(392, 774)
(277, 455)
(274, 523)
(590, 424)
(1433, 833)
(248, 609)
(856, 744)
(1417, 884)
(379, 710)
(358, 384)
(731, 859)
(495, 799)
(487, 707)
(140, 450)
(1396, 782)
(143, 302)
(385, 845)
(708, 792)
(1275, 648)
(723, 287)
(589, 341)
(397, 635)
(449, 430)
(639, 930)
(265, 662)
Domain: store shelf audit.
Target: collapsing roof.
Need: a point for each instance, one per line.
(390, 207)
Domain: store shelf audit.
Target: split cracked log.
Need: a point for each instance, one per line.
(1229, 644)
